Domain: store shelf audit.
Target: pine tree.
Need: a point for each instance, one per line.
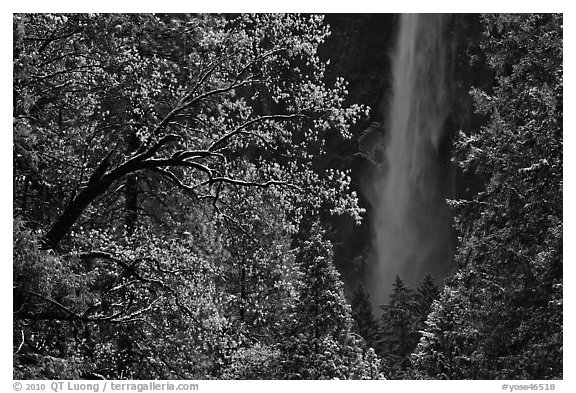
(364, 320)
(398, 333)
(321, 343)
(426, 293)
(398, 320)
(500, 316)
(447, 339)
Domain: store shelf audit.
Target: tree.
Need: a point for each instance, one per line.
(162, 167)
(425, 295)
(398, 334)
(187, 111)
(446, 348)
(320, 342)
(364, 321)
(397, 319)
(502, 310)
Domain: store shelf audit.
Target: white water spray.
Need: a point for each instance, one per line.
(411, 227)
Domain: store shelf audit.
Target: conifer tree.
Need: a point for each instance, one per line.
(426, 293)
(364, 320)
(321, 343)
(500, 316)
(398, 320)
(397, 334)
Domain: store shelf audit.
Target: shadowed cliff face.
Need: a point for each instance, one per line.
(358, 49)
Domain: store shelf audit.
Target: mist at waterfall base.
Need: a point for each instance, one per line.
(411, 223)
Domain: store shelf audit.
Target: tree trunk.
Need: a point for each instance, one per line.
(99, 182)
(72, 212)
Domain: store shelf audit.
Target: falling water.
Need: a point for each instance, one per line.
(412, 224)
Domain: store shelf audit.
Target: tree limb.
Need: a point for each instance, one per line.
(180, 108)
(174, 179)
(245, 183)
(248, 123)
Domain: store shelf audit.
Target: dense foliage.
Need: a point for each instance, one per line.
(163, 176)
(500, 316)
(174, 181)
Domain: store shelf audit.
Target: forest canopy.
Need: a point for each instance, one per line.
(162, 167)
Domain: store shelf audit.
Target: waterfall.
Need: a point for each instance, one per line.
(411, 223)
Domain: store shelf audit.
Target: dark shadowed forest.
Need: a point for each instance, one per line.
(208, 196)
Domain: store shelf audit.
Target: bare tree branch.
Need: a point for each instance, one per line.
(184, 154)
(162, 162)
(174, 179)
(245, 183)
(21, 343)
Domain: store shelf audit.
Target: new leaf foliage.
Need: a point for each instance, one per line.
(165, 162)
(200, 95)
